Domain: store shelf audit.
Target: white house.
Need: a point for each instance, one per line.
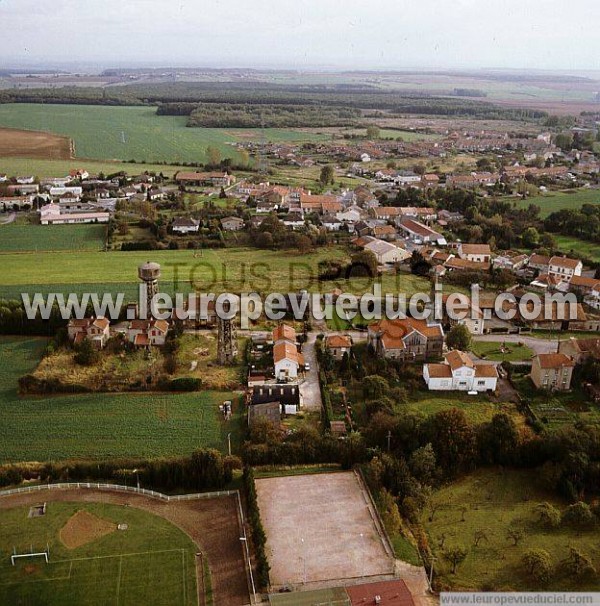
(183, 225)
(460, 373)
(61, 191)
(286, 358)
(352, 214)
(564, 268)
(420, 233)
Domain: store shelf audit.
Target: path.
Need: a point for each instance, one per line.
(309, 388)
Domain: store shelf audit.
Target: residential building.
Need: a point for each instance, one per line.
(406, 339)
(146, 333)
(419, 233)
(185, 225)
(286, 357)
(477, 253)
(564, 268)
(51, 214)
(232, 224)
(96, 330)
(460, 373)
(580, 349)
(196, 178)
(338, 345)
(552, 371)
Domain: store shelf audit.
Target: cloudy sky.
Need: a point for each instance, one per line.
(303, 33)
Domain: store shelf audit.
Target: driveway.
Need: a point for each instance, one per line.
(538, 346)
(309, 388)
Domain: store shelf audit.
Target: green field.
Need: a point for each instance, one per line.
(577, 247)
(478, 409)
(152, 562)
(134, 133)
(54, 168)
(570, 199)
(99, 425)
(490, 350)
(28, 238)
(495, 501)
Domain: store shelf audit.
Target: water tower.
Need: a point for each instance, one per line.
(149, 273)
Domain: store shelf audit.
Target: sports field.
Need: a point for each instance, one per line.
(91, 561)
(99, 425)
(43, 238)
(126, 133)
(302, 515)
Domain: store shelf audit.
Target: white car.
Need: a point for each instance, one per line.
(307, 367)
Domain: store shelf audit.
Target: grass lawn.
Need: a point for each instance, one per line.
(135, 133)
(54, 168)
(567, 199)
(215, 270)
(35, 238)
(102, 425)
(478, 409)
(150, 562)
(492, 350)
(495, 501)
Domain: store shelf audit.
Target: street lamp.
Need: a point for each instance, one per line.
(229, 442)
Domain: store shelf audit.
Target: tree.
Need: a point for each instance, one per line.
(264, 240)
(86, 354)
(580, 564)
(213, 155)
(579, 514)
(363, 264)
(374, 386)
(549, 515)
(422, 463)
(498, 440)
(480, 535)
(373, 132)
(515, 535)
(530, 237)
(327, 175)
(538, 563)
(459, 337)
(455, 556)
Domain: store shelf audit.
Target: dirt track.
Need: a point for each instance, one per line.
(211, 523)
(33, 144)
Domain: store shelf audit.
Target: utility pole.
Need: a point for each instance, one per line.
(229, 443)
(389, 438)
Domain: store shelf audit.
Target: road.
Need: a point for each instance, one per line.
(309, 388)
(538, 346)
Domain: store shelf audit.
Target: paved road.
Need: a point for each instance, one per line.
(309, 388)
(536, 345)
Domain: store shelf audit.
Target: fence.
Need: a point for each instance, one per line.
(117, 487)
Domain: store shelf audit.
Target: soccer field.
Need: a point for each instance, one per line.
(91, 561)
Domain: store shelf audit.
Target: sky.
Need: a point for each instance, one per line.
(349, 34)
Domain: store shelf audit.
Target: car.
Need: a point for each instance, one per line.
(307, 367)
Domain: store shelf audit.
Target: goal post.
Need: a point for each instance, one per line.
(31, 554)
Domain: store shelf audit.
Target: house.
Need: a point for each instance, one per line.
(287, 396)
(384, 232)
(79, 173)
(96, 330)
(146, 333)
(419, 233)
(23, 190)
(197, 178)
(382, 593)
(584, 286)
(185, 225)
(331, 223)
(232, 224)
(385, 252)
(51, 214)
(16, 203)
(538, 262)
(474, 318)
(477, 253)
(460, 373)
(564, 268)
(580, 349)
(338, 345)
(362, 228)
(430, 180)
(294, 220)
(545, 282)
(352, 214)
(510, 260)
(385, 213)
(57, 192)
(552, 371)
(421, 213)
(406, 339)
(286, 357)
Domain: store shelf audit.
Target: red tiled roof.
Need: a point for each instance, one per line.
(391, 593)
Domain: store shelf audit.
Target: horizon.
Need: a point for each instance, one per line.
(282, 35)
